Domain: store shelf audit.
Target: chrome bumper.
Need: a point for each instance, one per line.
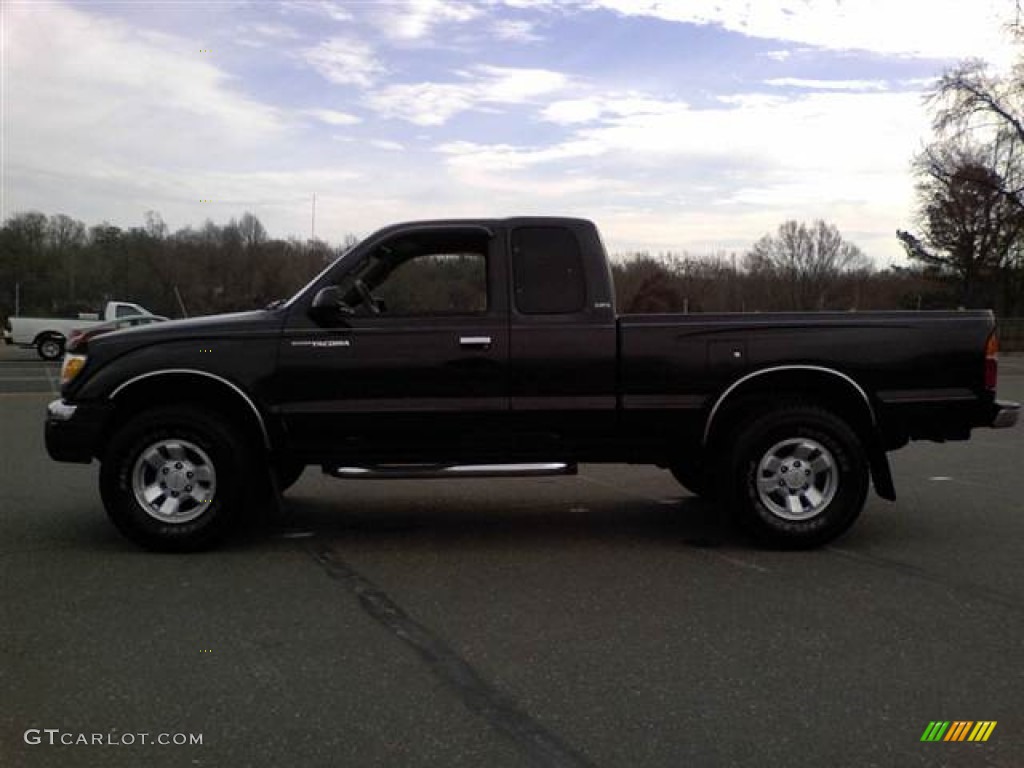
(58, 410)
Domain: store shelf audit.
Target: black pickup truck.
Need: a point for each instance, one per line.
(492, 347)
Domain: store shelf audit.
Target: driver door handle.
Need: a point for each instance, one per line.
(475, 342)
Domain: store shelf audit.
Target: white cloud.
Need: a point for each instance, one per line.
(592, 108)
(505, 157)
(515, 31)
(333, 117)
(253, 188)
(505, 85)
(572, 111)
(761, 160)
(332, 10)
(78, 88)
(345, 62)
(413, 20)
(269, 30)
(818, 130)
(423, 103)
(827, 85)
(938, 28)
(389, 146)
(436, 103)
(536, 5)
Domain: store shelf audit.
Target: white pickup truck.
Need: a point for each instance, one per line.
(49, 334)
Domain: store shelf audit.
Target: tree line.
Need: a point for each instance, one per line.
(52, 265)
(57, 265)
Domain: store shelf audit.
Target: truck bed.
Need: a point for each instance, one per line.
(914, 360)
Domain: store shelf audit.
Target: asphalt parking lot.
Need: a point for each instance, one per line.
(606, 619)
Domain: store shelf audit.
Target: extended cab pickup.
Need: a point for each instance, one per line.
(484, 347)
(49, 335)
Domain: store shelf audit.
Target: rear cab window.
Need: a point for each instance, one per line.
(547, 271)
(127, 310)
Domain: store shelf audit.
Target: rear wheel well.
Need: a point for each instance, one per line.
(763, 393)
(43, 335)
(189, 389)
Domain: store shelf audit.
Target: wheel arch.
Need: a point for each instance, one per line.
(832, 389)
(49, 334)
(191, 387)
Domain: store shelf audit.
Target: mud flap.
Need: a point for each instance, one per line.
(881, 473)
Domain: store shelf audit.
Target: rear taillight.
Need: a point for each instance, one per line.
(991, 361)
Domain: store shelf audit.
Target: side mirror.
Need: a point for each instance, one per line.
(328, 307)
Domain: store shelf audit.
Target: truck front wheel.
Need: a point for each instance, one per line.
(172, 479)
(798, 476)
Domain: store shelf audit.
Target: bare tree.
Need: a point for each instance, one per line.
(252, 231)
(155, 226)
(976, 108)
(66, 237)
(983, 113)
(971, 224)
(807, 260)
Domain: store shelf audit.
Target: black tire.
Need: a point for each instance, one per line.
(50, 347)
(813, 475)
(693, 477)
(202, 437)
(288, 471)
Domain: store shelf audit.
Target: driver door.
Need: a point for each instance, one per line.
(415, 367)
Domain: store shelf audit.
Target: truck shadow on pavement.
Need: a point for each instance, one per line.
(688, 521)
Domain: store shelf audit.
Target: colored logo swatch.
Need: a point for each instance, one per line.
(958, 730)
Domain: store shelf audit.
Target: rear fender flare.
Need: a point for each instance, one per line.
(881, 473)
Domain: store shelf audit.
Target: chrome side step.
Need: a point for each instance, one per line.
(424, 471)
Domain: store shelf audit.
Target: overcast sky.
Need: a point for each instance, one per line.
(693, 125)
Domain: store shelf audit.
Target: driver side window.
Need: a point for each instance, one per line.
(424, 274)
(436, 284)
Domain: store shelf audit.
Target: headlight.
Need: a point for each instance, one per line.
(73, 364)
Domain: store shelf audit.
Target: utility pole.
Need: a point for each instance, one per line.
(312, 224)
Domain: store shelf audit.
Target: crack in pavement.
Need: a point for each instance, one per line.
(541, 746)
(965, 590)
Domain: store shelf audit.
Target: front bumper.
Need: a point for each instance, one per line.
(73, 432)
(1005, 414)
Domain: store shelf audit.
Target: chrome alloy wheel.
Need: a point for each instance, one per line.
(797, 478)
(174, 481)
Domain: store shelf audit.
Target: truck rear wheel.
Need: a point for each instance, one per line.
(50, 347)
(172, 479)
(798, 477)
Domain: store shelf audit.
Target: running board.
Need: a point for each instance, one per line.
(423, 471)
